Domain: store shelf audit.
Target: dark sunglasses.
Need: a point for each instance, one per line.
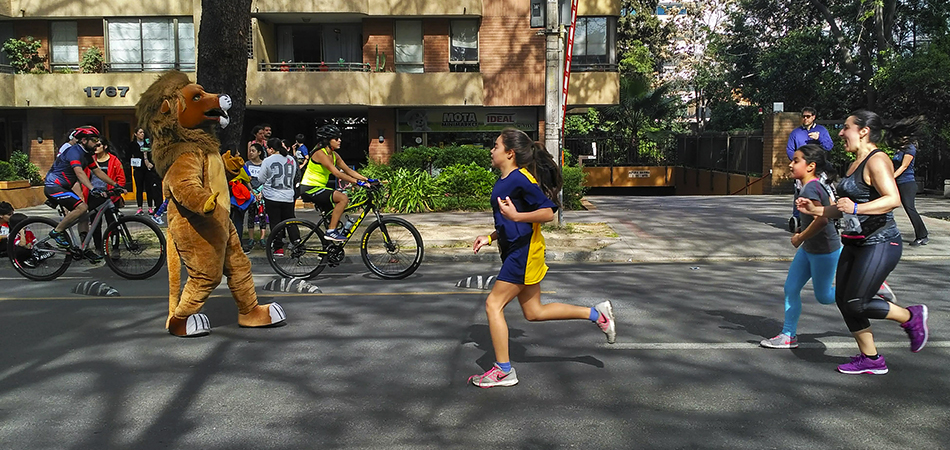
(806, 116)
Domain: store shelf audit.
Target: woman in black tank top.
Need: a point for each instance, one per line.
(872, 245)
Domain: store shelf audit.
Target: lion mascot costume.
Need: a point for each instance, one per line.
(181, 116)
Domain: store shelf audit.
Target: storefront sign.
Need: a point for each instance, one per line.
(110, 91)
(466, 119)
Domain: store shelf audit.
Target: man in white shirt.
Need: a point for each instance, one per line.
(69, 142)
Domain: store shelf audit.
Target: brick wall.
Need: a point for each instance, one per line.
(775, 131)
(378, 33)
(381, 119)
(511, 55)
(435, 38)
(90, 34)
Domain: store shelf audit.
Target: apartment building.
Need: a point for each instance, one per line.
(394, 73)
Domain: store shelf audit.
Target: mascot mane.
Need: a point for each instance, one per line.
(165, 129)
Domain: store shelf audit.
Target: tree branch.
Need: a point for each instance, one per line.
(843, 43)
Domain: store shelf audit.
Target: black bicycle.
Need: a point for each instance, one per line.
(391, 247)
(133, 247)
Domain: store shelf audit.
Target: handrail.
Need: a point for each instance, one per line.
(314, 67)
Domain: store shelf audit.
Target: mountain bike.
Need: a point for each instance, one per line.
(133, 247)
(391, 247)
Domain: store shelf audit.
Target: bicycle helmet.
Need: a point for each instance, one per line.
(327, 132)
(87, 131)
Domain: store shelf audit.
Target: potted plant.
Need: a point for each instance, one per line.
(92, 60)
(24, 55)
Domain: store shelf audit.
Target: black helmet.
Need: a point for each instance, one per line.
(327, 132)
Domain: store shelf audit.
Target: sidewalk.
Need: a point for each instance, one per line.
(648, 229)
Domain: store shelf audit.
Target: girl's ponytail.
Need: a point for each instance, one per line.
(904, 132)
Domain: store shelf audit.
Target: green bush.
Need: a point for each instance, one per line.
(92, 60)
(24, 55)
(461, 203)
(466, 180)
(25, 169)
(411, 191)
(8, 172)
(574, 188)
(462, 154)
(413, 158)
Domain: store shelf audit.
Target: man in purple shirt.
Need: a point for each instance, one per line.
(808, 133)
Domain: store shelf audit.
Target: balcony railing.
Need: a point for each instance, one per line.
(593, 67)
(314, 67)
(148, 67)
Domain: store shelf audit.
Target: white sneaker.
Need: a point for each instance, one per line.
(781, 341)
(606, 320)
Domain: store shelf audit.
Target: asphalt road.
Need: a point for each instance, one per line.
(383, 364)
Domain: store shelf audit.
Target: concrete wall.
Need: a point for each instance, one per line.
(594, 88)
(120, 8)
(598, 8)
(371, 7)
(67, 90)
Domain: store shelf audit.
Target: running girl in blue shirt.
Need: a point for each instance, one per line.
(521, 201)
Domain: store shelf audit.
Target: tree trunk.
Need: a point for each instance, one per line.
(222, 60)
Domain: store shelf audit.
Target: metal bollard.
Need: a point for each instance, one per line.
(946, 188)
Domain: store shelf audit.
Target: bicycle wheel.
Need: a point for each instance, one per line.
(392, 249)
(303, 259)
(134, 247)
(46, 261)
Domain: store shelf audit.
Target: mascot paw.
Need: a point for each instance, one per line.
(193, 326)
(263, 316)
(232, 162)
(211, 203)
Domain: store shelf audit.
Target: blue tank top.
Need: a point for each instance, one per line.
(875, 228)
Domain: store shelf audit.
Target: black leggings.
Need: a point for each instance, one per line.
(278, 212)
(908, 191)
(861, 271)
(142, 183)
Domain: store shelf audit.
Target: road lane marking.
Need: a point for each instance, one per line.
(278, 294)
(753, 345)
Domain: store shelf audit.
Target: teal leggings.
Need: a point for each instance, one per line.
(820, 268)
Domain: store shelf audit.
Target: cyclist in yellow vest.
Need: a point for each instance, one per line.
(319, 166)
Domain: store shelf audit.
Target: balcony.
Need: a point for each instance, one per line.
(113, 8)
(358, 87)
(594, 88)
(314, 67)
(79, 90)
(373, 7)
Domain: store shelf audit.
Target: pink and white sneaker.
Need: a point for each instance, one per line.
(494, 377)
(606, 320)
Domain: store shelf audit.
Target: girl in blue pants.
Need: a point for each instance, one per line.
(818, 245)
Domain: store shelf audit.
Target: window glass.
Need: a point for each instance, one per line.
(125, 44)
(65, 43)
(186, 43)
(408, 43)
(150, 44)
(464, 40)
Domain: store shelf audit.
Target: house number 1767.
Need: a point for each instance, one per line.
(111, 91)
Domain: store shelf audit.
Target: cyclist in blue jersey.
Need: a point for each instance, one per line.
(67, 170)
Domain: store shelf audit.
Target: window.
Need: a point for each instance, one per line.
(151, 44)
(6, 33)
(408, 42)
(463, 42)
(594, 43)
(64, 45)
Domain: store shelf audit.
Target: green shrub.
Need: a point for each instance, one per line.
(445, 203)
(24, 55)
(574, 188)
(411, 191)
(413, 158)
(25, 169)
(462, 154)
(8, 172)
(92, 60)
(466, 180)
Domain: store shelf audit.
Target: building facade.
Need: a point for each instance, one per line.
(391, 73)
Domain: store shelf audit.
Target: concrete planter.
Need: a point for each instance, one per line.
(22, 197)
(15, 184)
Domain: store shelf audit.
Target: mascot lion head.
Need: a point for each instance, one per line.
(175, 110)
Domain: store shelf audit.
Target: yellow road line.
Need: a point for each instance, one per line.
(271, 294)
